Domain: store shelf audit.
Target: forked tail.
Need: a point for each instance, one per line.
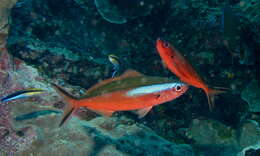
(69, 101)
(211, 96)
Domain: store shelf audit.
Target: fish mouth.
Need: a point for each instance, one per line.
(186, 87)
(159, 41)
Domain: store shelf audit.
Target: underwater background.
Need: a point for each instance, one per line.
(78, 43)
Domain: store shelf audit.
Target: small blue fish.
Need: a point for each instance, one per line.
(116, 63)
(22, 94)
(35, 114)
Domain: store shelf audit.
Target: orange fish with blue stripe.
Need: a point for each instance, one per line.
(130, 91)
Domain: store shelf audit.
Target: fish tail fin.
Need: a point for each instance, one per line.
(70, 103)
(211, 96)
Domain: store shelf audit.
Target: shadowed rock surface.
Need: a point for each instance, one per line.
(119, 12)
(210, 135)
(251, 94)
(100, 136)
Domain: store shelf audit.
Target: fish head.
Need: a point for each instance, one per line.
(175, 90)
(114, 59)
(172, 91)
(164, 49)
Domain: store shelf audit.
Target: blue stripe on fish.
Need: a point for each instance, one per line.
(22, 94)
(9, 98)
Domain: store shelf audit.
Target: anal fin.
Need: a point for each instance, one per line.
(142, 112)
(106, 113)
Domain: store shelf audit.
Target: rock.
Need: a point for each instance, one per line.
(119, 12)
(251, 94)
(213, 138)
(100, 136)
(3, 37)
(206, 132)
(5, 7)
(249, 134)
(16, 75)
(17, 140)
(250, 151)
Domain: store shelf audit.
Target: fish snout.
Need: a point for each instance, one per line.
(162, 43)
(159, 40)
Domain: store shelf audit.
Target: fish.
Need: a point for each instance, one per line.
(129, 91)
(35, 114)
(22, 94)
(181, 67)
(115, 62)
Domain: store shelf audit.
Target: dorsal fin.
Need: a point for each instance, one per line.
(128, 73)
(131, 73)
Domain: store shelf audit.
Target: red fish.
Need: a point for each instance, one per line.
(130, 91)
(180, 66)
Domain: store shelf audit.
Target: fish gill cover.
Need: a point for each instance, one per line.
(69, 41)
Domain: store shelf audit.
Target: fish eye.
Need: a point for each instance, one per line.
(166, 44)
(178, 88)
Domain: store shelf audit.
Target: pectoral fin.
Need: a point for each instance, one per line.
(142, 112)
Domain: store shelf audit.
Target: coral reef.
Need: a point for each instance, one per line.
(100, 136)
(11, 140)
(67, 42)
(17, 75)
